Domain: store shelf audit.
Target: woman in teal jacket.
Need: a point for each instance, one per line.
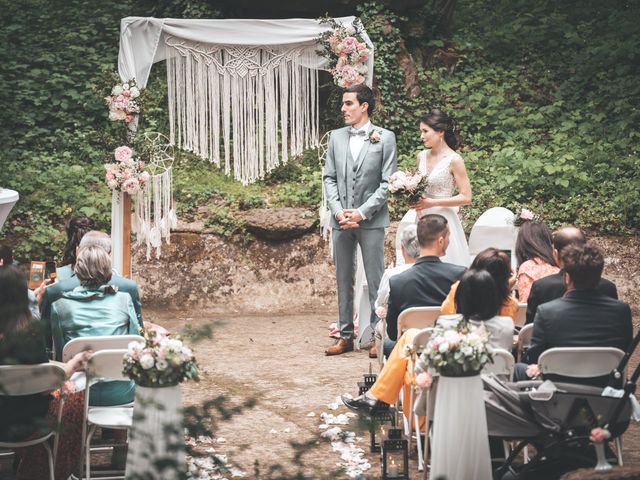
(95, 308)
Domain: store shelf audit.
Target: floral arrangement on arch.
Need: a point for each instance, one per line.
(408, 184)
(525, 215)
(160, 361)
(124, 102)
(346, 51)
(126, 174)
(458, 352)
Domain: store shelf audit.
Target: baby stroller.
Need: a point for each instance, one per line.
(555, 419)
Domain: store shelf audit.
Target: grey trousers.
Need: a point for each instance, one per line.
(371, 241)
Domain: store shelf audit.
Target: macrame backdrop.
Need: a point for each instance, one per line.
(242, 93)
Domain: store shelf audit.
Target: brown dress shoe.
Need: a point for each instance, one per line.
(373, 352)
(341, 346)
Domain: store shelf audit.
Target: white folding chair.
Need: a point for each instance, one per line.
(419, 343)
(104, 365)
(580, 363)
(18, 380)
(110, 342)
(524, 340)
(417, 317)
(521, 315)
(494, 228)
(502, 366)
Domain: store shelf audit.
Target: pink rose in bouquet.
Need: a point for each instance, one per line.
(350, 75)
(131, 186)
(350, 44)
(424, 380)
(599, 435)
(408, 184)
(526, 214)
(123, 153)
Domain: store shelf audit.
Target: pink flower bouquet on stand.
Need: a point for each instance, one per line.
(126, 174)
(124, 102)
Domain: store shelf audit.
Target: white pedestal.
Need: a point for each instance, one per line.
(157, 434)
(460, 446)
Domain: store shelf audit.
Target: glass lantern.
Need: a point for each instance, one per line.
(395, 456)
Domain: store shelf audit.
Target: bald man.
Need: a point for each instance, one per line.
(552, 286)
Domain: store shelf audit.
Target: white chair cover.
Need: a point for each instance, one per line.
(494, 228)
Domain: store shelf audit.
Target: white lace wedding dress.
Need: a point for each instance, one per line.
(441, 185)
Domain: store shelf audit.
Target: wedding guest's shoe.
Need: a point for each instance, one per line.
(341, 346)
(373, 352)
(364, 404)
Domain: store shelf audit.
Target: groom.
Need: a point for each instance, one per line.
(360, 159)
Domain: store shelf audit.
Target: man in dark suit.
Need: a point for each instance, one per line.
(552, 286)
(55, 291)
(428, 281)
(583, 317)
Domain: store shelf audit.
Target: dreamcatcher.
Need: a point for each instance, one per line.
(324, 212)
(154, 212)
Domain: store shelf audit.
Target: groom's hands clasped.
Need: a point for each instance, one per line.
(349, 218)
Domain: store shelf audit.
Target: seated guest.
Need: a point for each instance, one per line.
(21, 343)
(478, 300)
(552, 286)
(534, 253)
(428, 281)
(55, 291)
(584, 316)
(498, 264)
(6, 259)
(76, 228)
(95, 308)
(410, 252)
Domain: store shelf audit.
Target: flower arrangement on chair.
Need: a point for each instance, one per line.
(346, 51)
(459, 352)
(126, 174)
(159, 362)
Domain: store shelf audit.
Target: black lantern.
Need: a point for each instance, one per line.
(369, 380)
(395, 455)
(381, 421)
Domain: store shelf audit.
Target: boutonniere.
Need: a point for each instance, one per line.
(374, 135)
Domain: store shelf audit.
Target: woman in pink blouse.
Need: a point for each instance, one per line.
(534, 253)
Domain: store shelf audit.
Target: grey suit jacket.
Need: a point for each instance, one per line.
(362, 184)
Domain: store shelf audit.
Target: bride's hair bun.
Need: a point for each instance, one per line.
(441, 122)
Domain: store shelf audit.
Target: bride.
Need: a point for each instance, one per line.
(446, 172)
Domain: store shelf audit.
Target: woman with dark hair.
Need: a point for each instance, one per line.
(479, 300)
(446, 172)
(76, 228)
(22, 343)
(498, 264)
(534, 253)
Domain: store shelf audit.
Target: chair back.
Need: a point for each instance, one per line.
(417, 317)
(524, 340)
(494, 228)
(521, 315)
(30, 379)
(106, 365)
(421, 339)
(95, 344)
(579, 362)
(503, 364)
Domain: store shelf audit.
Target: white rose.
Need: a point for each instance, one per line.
(174, 345)
(161, 364)
(362, 69)
(117, 90)
(125, 86)
(350, 30)
(134, 92)
(444, 347)
(146, 361)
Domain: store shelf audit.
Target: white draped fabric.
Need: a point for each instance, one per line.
(8, 198)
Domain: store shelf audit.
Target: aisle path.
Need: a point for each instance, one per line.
(280, 361)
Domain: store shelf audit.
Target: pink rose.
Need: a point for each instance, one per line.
(342, 61)
(123, 153)
(381, 312)
(452, 337)
(350, 44)
(374, 137)
(599, 435)
(131, 186)
(129, 118)
(349, 74)
(110, 176)
(334, 40)
(526, 214)
(424, 380)
(126, 93)
(362, 47)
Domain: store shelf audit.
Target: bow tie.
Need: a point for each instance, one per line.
(357, 133)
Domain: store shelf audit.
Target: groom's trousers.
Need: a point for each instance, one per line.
(345, 242)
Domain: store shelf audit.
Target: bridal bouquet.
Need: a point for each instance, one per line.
(124, 102)
(346, 51)
(159, 361)
(126, 174)
(458, 352)
(410, 185)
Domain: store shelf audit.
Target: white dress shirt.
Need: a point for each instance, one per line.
(356, 142)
